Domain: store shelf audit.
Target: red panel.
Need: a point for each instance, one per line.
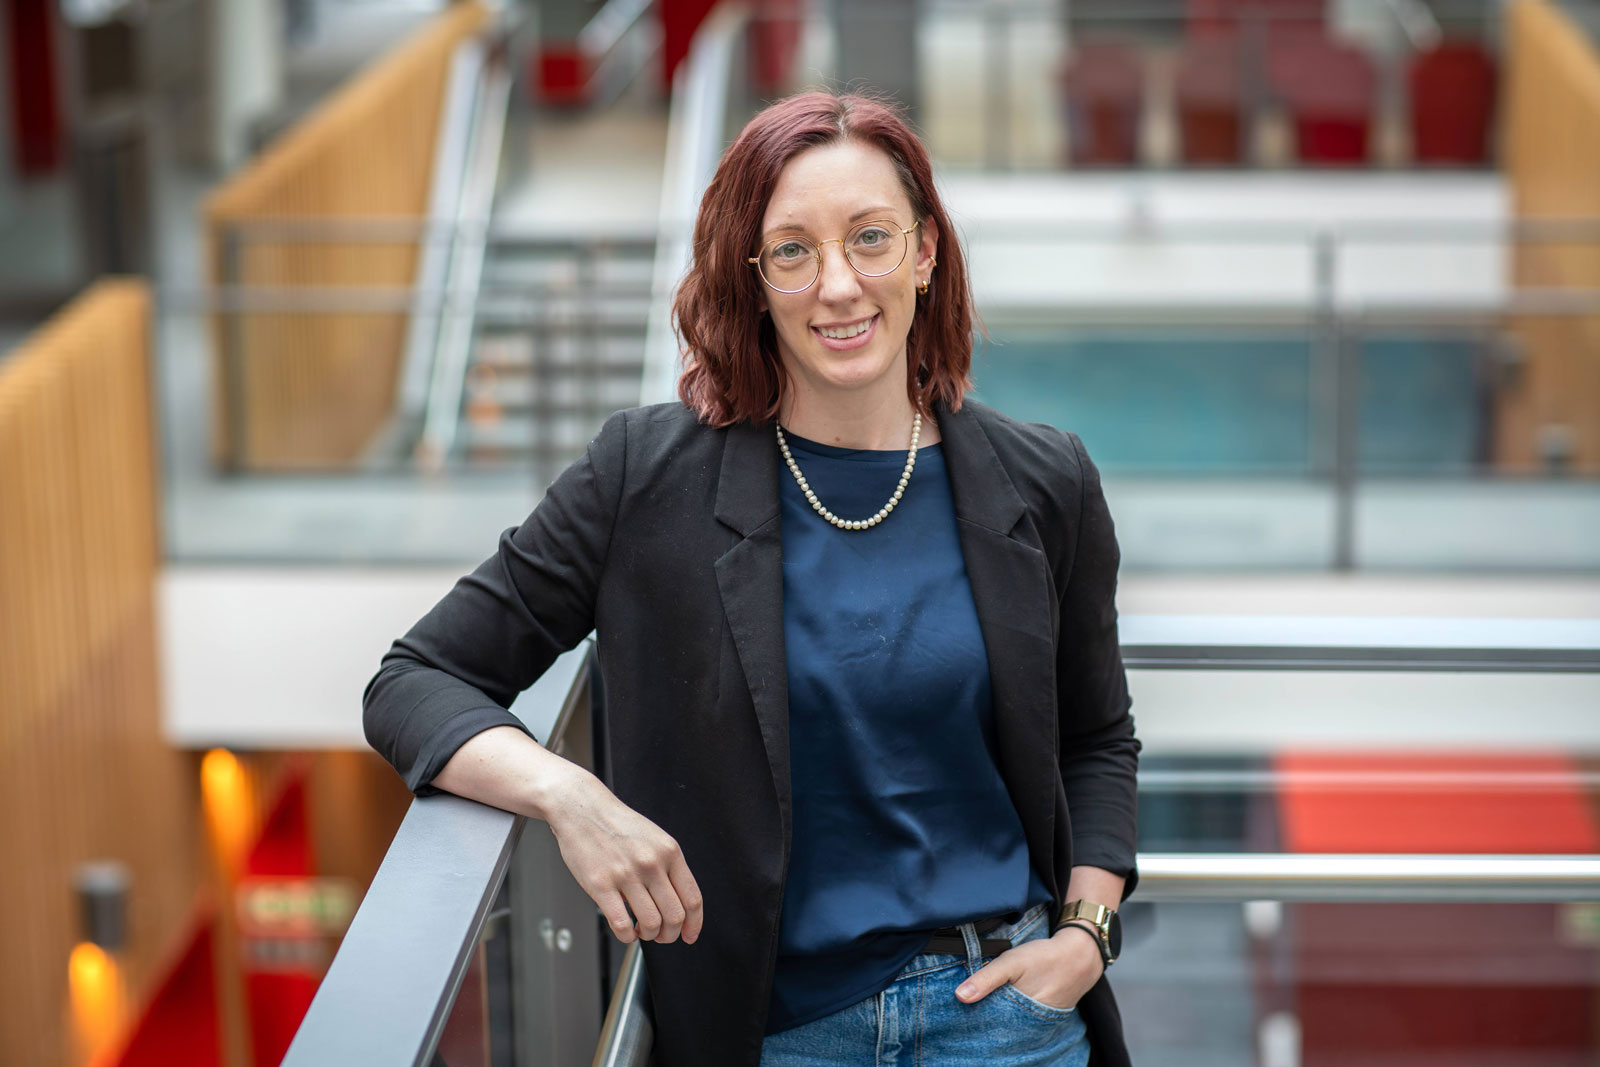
(774, 41)
(563, 74)
(1439, 983)
(679, 21)
(35, 104)
(278, 993)
(179, 1023)
(278, 1001)
(284, 845)
(1466, 815)
(1347, 1025)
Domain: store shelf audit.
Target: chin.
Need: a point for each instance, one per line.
(855, 377)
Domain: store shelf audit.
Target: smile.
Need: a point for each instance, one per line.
(850, 335)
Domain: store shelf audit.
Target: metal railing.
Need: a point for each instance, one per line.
(486, 132)
(457, 869)
(1351, 643)
(456, 873)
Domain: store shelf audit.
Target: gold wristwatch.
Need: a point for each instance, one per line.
(1107, 926)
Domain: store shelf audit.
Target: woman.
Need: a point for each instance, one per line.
(870, 728)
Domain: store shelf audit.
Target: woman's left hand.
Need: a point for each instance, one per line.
(1054, 970)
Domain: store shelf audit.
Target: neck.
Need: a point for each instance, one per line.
(874, 421)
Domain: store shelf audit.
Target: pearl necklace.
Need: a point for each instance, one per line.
(883, 512)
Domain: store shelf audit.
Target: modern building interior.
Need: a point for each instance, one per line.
(304, 302)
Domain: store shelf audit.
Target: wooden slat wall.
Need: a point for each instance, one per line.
(1552, 160)
(84, 773)
(310, 390)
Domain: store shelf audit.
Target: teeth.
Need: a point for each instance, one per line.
(845, 332)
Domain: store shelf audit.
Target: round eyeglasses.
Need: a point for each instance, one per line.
(791, 264)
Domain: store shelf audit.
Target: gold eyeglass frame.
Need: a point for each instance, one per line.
(905, 250)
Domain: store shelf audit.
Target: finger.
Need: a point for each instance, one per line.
(688, 891)
(644, 909)
(615, 910)
(988, 978)
(668, 906)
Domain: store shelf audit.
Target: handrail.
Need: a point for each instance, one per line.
(1174, 876)
(443, 410)
(450, 160)
(418, 925)
(694, 145)
(1324, 643)
(616, 45)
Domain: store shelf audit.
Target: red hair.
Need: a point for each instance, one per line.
(732, 370)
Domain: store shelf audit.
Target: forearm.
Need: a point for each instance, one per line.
(1096, 885)
(505, 768)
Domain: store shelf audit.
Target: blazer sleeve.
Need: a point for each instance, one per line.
(1099, 752)
(456, 672)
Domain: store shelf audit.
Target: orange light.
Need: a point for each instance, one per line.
(225, 790)
(96, 987)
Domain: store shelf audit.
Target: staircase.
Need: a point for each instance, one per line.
(558, 345)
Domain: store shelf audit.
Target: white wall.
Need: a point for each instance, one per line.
(1063, 240)
(278, 657)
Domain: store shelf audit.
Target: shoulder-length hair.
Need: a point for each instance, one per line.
(732, 370)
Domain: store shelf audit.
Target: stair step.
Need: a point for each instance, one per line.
(525, 394)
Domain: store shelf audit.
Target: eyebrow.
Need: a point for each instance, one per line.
(874, 212)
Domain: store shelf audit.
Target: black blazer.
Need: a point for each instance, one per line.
(664, 538)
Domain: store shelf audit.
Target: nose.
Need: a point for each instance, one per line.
(837, 280)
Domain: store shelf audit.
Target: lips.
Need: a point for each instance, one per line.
(844, 343)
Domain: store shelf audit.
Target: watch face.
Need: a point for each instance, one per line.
(1115, 940)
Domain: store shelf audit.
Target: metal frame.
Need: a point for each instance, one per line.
(1314, 643)
(1173, 876)
(390, 988)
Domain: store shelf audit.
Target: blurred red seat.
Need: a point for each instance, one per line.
(1328, 88)
(1103, 86)
(1208, 84)
(1452, 103)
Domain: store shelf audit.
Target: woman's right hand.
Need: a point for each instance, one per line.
(623, 860)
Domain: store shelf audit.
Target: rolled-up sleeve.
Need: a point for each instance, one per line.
(457, 671)
(1099, 752)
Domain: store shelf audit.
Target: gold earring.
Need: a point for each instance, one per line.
(932, 263)
(923, 288)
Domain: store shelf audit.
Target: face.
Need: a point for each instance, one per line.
(823, 193)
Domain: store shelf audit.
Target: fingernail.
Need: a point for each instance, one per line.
(964, 991)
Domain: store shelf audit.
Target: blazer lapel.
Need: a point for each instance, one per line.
(1011, 589)
(750, 581)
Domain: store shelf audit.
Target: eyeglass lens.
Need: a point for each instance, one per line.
(874, 249)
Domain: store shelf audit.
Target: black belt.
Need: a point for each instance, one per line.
(949, 942)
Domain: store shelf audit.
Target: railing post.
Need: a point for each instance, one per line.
(232, 337)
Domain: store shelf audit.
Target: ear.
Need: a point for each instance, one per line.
(927, 249)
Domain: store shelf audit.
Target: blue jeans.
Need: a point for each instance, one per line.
(918, 1022)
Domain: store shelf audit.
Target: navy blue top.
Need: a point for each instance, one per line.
(902, 823)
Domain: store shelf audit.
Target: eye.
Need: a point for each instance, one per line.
(872, 238)
(790, 251)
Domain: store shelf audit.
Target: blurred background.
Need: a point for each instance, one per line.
(302, 302)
